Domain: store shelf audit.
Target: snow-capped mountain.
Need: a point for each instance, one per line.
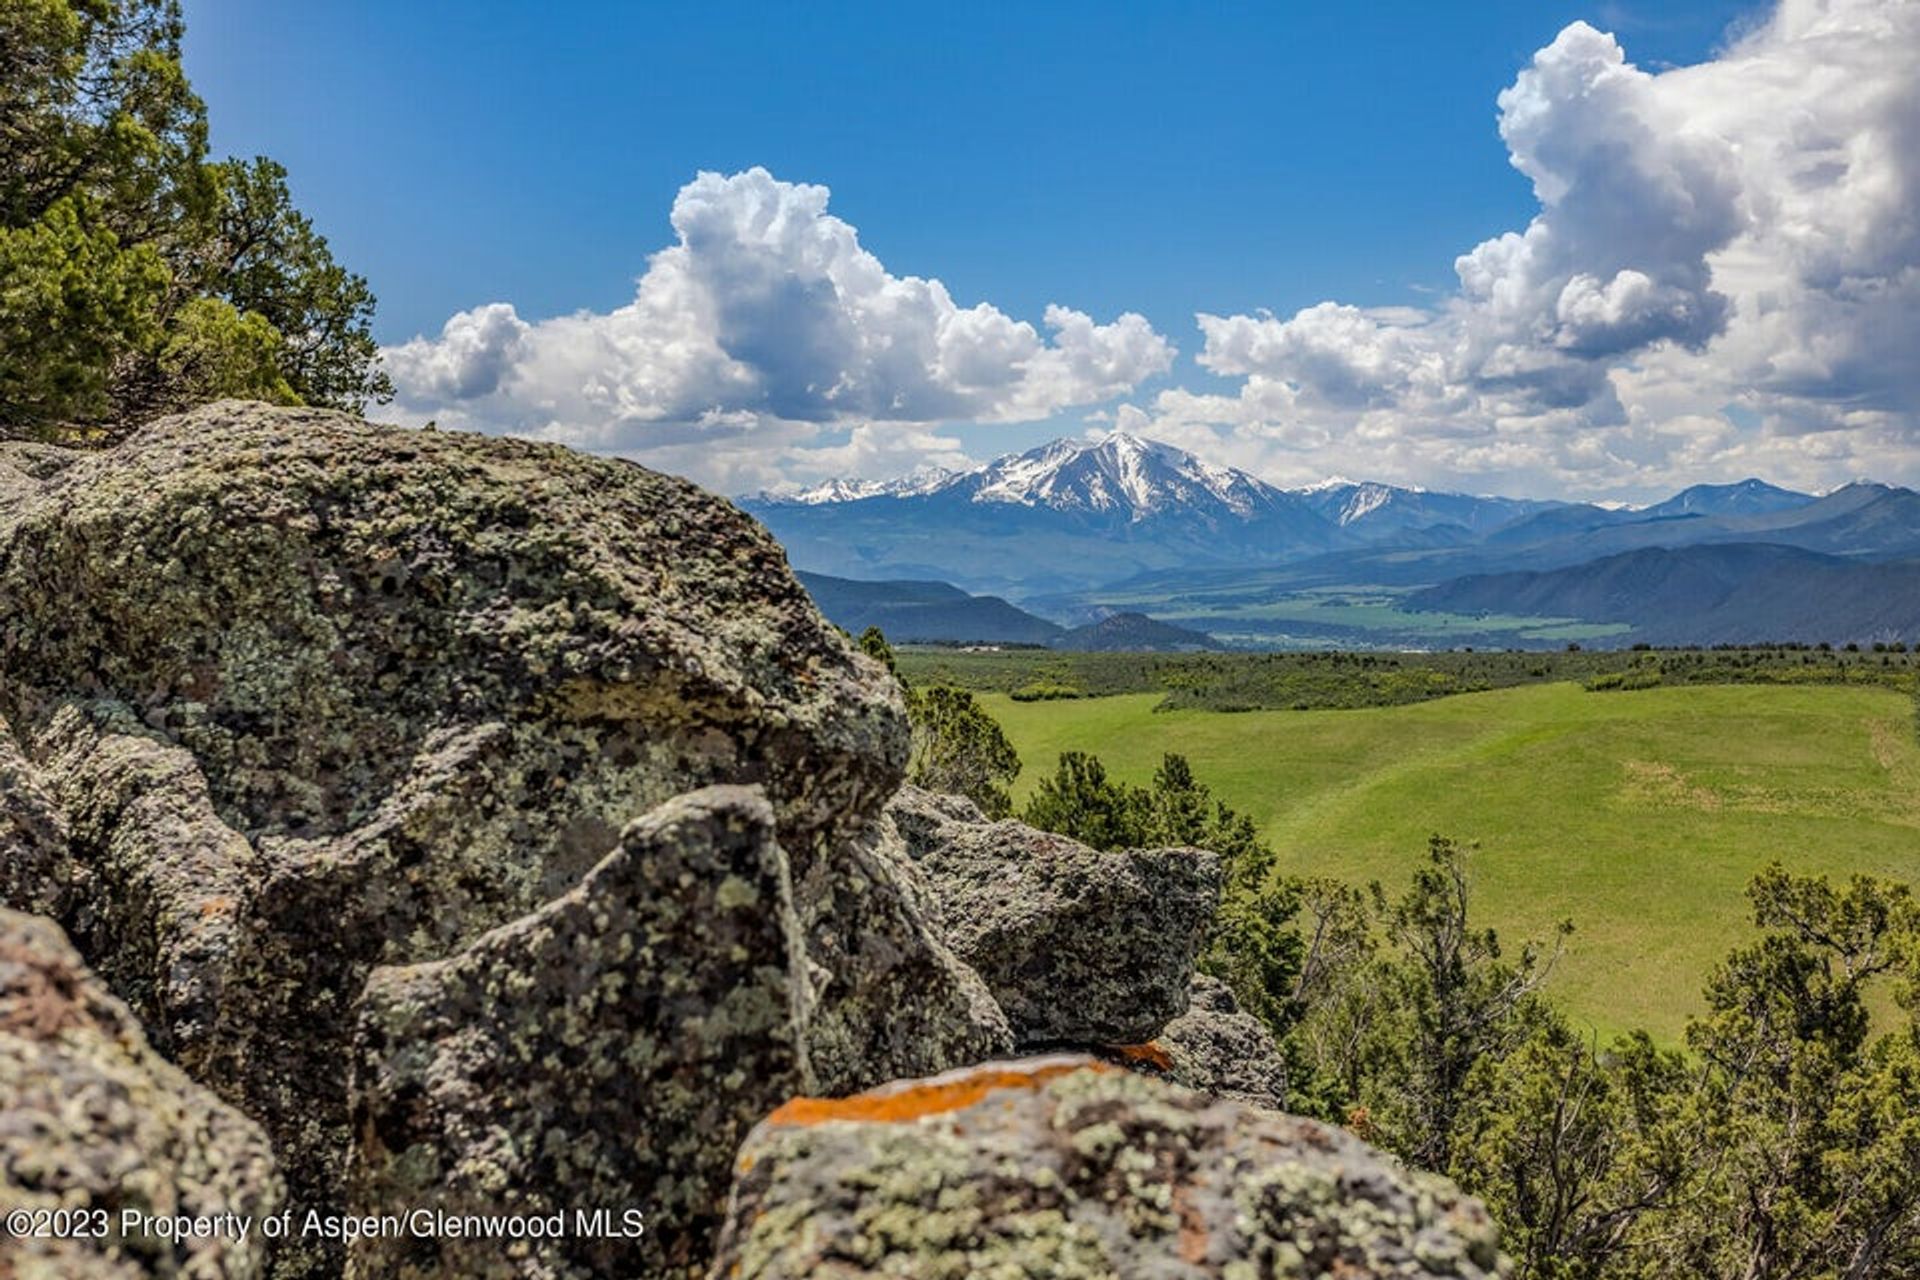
(1095, 510)
(1121, 475)
(1380, 511)
(924, 480)
(1069, 512)
(1125, 478)
(1346, 502)
(1079, 513)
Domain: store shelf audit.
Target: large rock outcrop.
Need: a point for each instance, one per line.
(1079, 946)
(304, 601)
(292, 696)
(1062, 1168)
(95, 1124)
(608, 1051)
(34, 870)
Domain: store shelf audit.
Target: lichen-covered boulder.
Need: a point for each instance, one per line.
(157, 895)
(1079, 946)
(918, 815)
(35, 869)
(310, 695)
(1217, 1048)
(24, 464)
(94, 1122)
(303, 601)
(1067, 1169)
(607, 1052)
(893, 999)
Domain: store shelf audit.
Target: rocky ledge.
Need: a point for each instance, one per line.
(463, 824)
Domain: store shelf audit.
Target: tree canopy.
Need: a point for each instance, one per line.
(138, 276)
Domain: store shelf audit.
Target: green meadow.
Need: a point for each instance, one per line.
(1639, 815)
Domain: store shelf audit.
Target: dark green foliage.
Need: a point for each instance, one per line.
(960, 749)
(1079, 800)
(873, 643)
(1433, 996)
(1573, 1148)
(1334, 680)
(1254, 947)
(137, 278)
(72, 304)
(263, 256)
(1809, 1122)
(1466, 1003)
(1784, 1143)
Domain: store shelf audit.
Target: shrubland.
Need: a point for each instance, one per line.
(1780, 1136)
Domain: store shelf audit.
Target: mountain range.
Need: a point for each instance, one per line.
(911, 612)
(1076, 530)
(1075, 514)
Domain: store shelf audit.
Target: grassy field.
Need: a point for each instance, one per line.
(1640, 814)
(1309, 616)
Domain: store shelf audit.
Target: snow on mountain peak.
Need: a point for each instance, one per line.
(1119, 473)
(919, 481)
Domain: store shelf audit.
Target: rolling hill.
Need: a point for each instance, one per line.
(910, 610)
(1640, 815)
(1712, 594)
(1134, 633)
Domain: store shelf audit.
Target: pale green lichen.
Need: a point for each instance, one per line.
(97, 1121)
(532, 1103)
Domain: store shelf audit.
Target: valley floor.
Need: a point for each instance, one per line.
(1640, 815)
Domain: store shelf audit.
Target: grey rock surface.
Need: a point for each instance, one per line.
(1065, 1169)
(1216, 1048)
(1079, 946)
(894, 1001)
(607, 1051)
(303, 600)
(34, 863)
(93, 1120)
(304, 695)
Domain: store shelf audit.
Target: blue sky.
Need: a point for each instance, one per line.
(1165, 160)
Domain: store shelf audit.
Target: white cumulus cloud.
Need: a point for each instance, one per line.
(1723, 277)
(766, 326)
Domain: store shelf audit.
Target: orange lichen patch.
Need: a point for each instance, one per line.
(1150, 1054)
(936, 1096)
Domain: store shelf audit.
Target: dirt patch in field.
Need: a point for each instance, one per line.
(1651, 782)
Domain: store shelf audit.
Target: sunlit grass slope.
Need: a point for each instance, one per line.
(1641, 815)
